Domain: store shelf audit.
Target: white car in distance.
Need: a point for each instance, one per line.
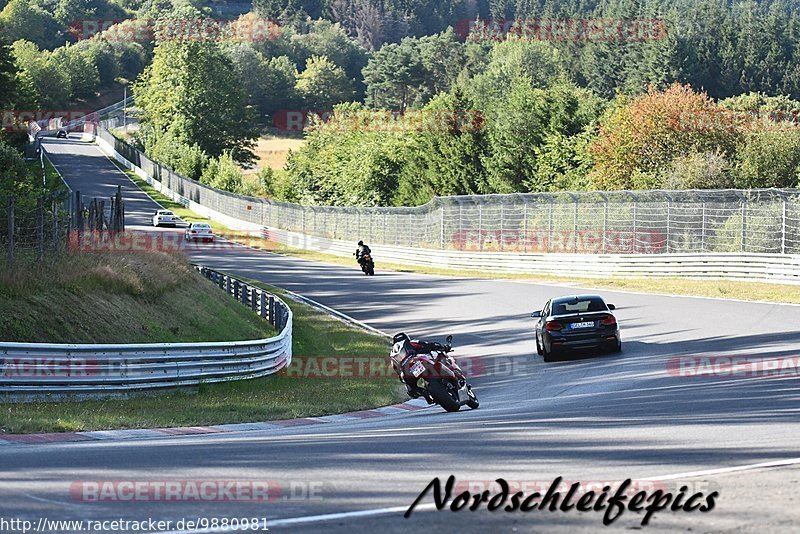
(199, 230)
(165, 218)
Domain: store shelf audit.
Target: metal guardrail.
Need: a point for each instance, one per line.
(31, 370)
(581, 222)
(768, 267)
(91, 118)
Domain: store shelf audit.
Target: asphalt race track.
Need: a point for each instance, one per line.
(597, 418)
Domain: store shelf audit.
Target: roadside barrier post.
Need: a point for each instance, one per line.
(271, 317)
(40, 228)
(263, 306)
(10, 232)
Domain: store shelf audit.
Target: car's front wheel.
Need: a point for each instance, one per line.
(539, 350)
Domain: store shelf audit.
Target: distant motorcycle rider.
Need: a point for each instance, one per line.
(361, 251)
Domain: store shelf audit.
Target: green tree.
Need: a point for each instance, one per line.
(280, 77)
(14, 178)
(538, 62)
(191, 89)
(78, 68)
(323, 84)
(223, 173)
(324, 38)
(22, 19)
(394, 75)
(769, 157)
(49, 80)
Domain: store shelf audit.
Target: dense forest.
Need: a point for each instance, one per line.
(432, 97)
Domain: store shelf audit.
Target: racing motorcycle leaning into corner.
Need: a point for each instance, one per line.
(428, 371)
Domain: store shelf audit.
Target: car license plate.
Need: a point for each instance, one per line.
(585, 324)
(417, 369)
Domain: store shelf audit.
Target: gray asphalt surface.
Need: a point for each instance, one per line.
(594, 418)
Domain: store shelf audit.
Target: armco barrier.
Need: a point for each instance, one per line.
(33, 370)
(729, 265)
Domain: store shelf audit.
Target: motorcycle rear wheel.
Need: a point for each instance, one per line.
(438, 391)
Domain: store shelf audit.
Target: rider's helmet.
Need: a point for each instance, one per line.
(360, 243)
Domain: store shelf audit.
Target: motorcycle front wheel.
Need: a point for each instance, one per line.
(442, 396)
(473, 400)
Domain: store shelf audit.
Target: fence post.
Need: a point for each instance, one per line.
(271, 316)
(263, 306)
(605, 223)
(227, 284)
(78, 212)
(55, 224)
(253, 301)
(441, 227)
(783, 227)
(502, 226)
(10, 232)
(635, 232)
(669, 221)
(550, 224)
(40, 227)
(703, 227)
(525, 224)
(575, 226)
(245, 291)
(480, 225)
(744, 223)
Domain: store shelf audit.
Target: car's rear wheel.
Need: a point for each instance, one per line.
(548, 355)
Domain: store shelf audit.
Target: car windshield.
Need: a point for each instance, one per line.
(165, 213)
(200, 225)
(578, 305)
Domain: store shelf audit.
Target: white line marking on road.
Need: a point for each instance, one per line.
(726, 470)
(344, 317)
(51, 501)
(580, 285)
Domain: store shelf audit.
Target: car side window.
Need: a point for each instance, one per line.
(546, 310)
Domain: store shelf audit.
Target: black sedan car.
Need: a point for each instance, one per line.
(576, 322)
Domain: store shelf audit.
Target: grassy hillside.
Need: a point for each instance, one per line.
(276, 397)
(119, 298)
